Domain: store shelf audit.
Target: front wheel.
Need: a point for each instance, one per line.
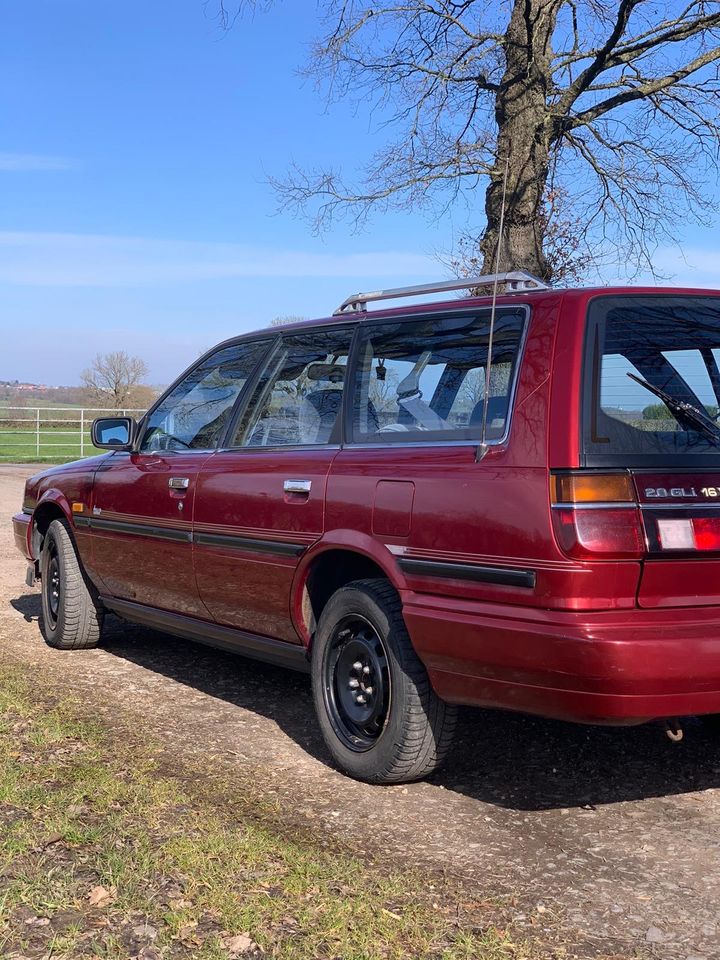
(71, 615)
(379, 716)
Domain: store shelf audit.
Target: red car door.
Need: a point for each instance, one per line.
(142, 528)
(261, 502)
(141, 517)
(257, 511)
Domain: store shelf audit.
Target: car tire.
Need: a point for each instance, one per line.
(71, 615)
(379, 716)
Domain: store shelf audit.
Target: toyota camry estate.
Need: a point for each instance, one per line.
(509, 500)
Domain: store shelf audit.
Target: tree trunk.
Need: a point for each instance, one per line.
(524, 135)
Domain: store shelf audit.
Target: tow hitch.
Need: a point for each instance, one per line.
(673, 730)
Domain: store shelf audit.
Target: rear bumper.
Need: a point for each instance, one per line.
(21, 530)
(607, 667)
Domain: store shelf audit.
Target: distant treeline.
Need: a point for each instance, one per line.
(11, 396)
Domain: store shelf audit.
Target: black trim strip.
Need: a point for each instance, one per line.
(246, 543)
(28, 511)
(281, 547)
(509, 576)
(292, 655)
(137, 529)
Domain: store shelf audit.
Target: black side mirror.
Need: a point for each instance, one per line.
(113, 433)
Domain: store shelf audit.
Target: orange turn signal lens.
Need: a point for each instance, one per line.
(592, 488)
(78, 507)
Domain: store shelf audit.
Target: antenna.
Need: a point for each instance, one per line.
(483, 447)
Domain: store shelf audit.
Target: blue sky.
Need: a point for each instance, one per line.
(135, 143)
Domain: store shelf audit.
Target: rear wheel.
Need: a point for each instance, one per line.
(71, 615)
(379, 716)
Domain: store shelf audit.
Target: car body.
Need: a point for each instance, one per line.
(548, 545)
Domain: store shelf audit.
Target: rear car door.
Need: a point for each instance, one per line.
(410, 476)
(141, 520)
(261, 501)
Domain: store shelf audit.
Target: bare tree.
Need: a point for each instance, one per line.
(611, 103)
(564, 237)
(113, 378)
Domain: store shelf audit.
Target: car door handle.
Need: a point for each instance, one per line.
(297, 486)
(178, 483)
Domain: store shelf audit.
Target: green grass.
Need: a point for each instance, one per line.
(181, 868)
(17, 445)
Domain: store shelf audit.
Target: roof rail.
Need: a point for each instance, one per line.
(515, 281)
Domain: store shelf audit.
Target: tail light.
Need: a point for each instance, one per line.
(689, 533)
(596, 516)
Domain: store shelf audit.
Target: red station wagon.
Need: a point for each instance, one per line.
(508, 501)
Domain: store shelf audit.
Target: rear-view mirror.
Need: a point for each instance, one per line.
(113, 433)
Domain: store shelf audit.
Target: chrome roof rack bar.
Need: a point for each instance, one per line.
(515, 281)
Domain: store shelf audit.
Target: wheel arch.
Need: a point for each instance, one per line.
(53, 506)
(332, 563)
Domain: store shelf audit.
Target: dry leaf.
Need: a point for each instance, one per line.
(148, 953)
(238, 945)
(98, 896)
(145, 930)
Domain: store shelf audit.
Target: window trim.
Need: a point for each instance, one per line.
(225, 345)
(354, 366)
(249, 389)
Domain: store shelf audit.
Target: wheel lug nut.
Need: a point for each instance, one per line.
(368, 690)
(360, 698)
(353, 684)
(366, 670)
(357, 665)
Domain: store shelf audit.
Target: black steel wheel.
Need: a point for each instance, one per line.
(380, 717)
(356, 683)
(53, 584)
(71, 614)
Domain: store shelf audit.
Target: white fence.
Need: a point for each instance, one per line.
(50, 433)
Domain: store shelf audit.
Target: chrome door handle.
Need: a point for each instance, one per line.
(178, 483)
(297, 486)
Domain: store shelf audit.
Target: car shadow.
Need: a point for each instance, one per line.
(28, 605)
(500, 758)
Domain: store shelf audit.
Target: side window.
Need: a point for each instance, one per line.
(425, 380)
(194, 415)
(299, 397)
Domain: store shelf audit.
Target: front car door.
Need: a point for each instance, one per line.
(141, 520)
(261, 502)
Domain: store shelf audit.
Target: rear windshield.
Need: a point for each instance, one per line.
(652, 379)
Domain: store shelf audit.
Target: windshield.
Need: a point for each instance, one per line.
(652, 379)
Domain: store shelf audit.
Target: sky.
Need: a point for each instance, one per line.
(136, 143)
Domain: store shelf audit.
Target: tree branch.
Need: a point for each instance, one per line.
(583, 81)
(643, 90)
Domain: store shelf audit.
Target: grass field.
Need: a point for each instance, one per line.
(57, 444)
(107, 852)
(50, 433)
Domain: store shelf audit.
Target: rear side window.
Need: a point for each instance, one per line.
(652, 377)
(424, 380)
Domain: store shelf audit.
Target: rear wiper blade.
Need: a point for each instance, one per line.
(681, 409)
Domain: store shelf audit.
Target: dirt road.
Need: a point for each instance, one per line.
(610, 835)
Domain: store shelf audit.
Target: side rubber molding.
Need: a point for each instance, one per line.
(509, 576)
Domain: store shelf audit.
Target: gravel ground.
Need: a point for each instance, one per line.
(608, 837)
